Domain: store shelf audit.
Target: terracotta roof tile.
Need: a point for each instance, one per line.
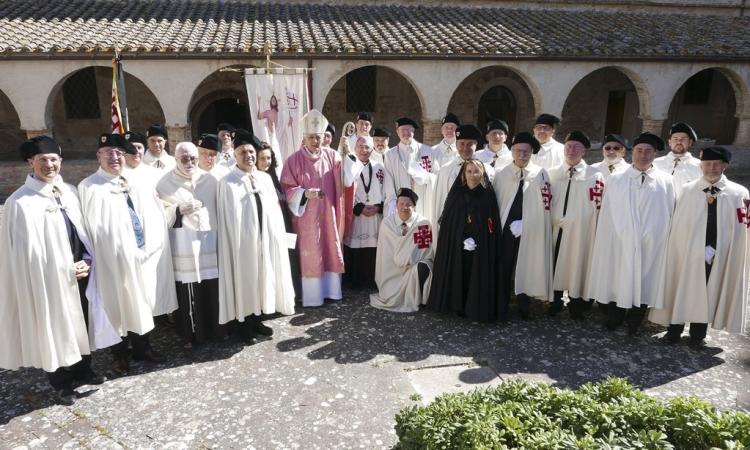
(233, 26)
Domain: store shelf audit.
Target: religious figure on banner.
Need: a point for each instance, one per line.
(274, 121)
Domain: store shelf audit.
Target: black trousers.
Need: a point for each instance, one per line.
(63, 377)
(697, 331)
(197, 315)
(140, 343)
(360, 267)
(423, 272)
(616, 316)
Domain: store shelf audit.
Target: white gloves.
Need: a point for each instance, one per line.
(470, 245)
(417, 173)
(710, 253)
(515, 227)
(190, 207)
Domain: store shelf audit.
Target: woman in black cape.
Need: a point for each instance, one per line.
(465, 271)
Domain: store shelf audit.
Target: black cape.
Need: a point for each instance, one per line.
(481, 299)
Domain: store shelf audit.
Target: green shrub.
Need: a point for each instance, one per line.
(607, 415)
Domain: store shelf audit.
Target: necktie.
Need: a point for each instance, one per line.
(404, 229)
(711, 223)
(674, 167)
(492, 161)
(516, 208)
(68, 224)
(159, 164)
(643, 177)
(571, 172)
(611, 168)
(258, 205)
(135, 221)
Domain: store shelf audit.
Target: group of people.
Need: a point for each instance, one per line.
(223, 232)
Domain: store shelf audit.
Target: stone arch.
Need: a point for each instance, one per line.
(466, 99)
(11, 134)
(76, 136)
(711, 100)
(220, 97)
(394, 96)
(606, 100)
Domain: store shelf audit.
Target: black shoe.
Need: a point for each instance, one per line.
(65, 397)
(697, 344)
(92, 378)
(151, 356)
(261, 329)
(554, 308)
(633, 330)
(249, 339)
(120, 367)
(525, 314)
(669, 339)
(611, 326)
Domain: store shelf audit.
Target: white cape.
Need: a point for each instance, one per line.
(254, 273)
(630, 246)
(722, 301)
(534, 264)
(396, 266)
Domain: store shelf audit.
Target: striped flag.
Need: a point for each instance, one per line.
(119, 105)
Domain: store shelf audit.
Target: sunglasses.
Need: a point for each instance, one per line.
(612, 147)
(187, 159)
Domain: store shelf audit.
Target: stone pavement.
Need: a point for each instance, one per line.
(334, 377)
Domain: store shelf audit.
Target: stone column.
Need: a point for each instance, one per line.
(34, 133)
(178, 133)
(653, 126)
(742, 135)
(431, 134)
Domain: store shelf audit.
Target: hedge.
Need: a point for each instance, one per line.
(611, 414)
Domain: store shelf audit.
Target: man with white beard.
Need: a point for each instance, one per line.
(613, 154)
(550, 153)
(495, 153)
(630, 247)
(445, 150)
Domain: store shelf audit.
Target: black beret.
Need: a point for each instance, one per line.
(242, 137)
(364, 116)
(224, 127)
(547, 119)
(650, 139)
(134, 136)
(116, 140)
(716, 153)
(497, 125)
(406, 121)
(381, 132)
(330, 128)
(39, 145)
(617, 138)
(682, 127)
(578, 136)
(406, 192)
(467, 132)
(209, 141)
(157, 130)
(451, 118)
(525, 137)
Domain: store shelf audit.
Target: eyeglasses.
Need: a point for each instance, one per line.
(112, 153)
(612, 147)
(187, 159)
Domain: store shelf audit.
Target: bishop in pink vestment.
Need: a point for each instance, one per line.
(311, 180)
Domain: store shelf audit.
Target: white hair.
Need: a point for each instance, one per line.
(185, 147)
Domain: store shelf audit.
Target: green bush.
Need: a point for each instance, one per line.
(607, 415)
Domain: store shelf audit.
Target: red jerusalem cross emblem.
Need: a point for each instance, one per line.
(743, 213)
(595, 193)
(423, 236)
(426, 163)
(546, 196)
